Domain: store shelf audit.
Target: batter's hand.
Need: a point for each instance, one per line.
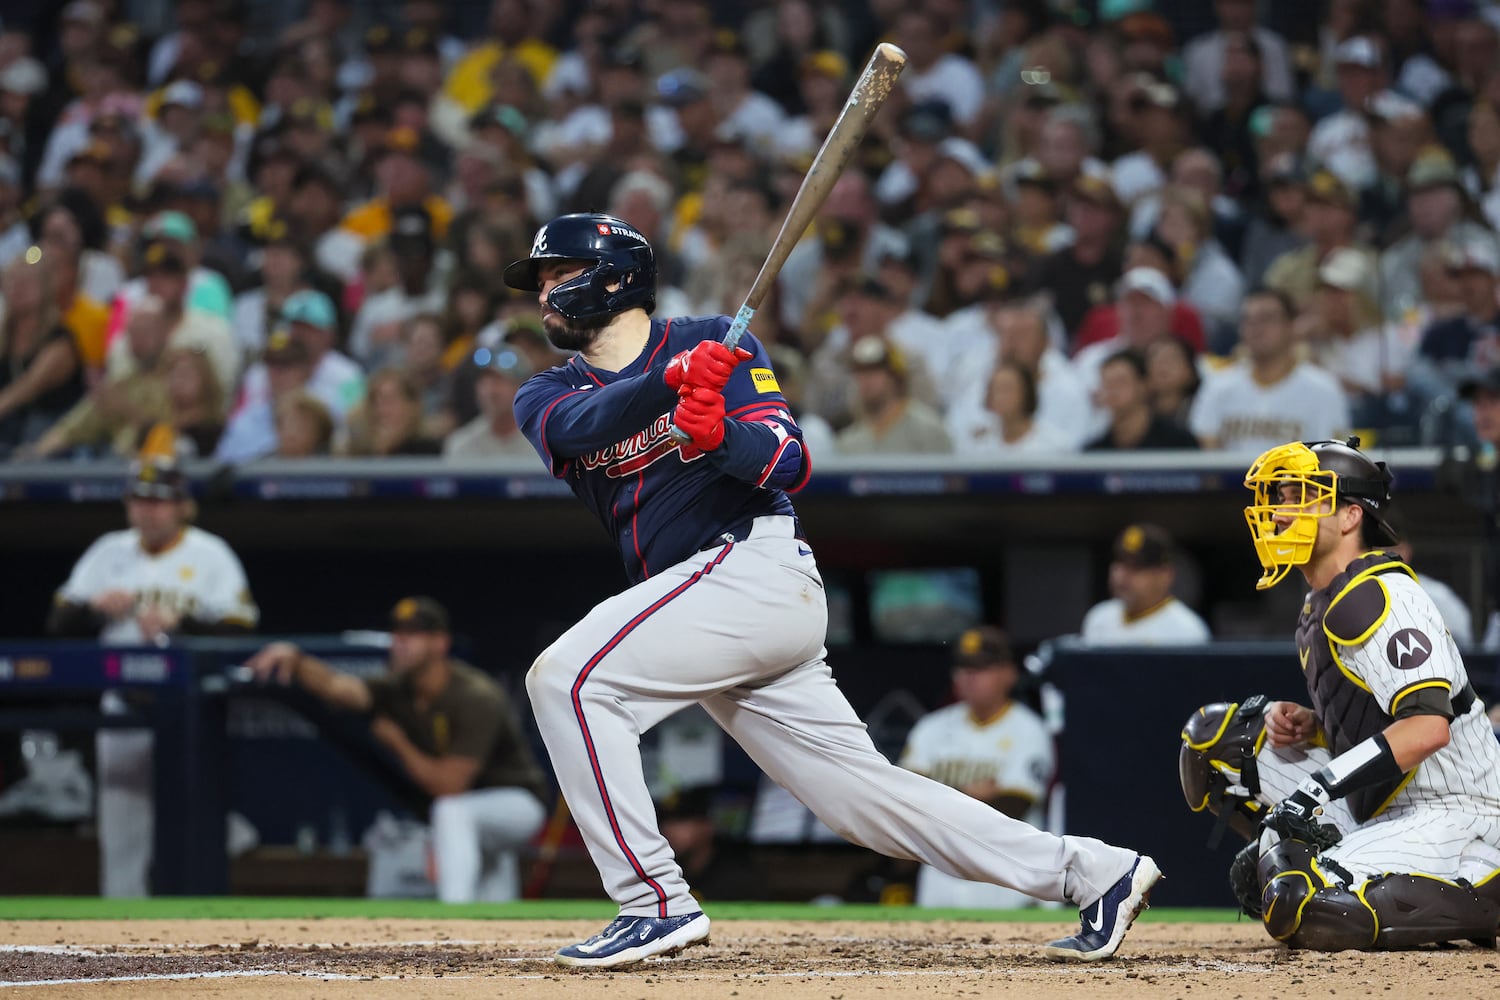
(277, 662)
(708, 365)
(1289, 724)
(700, 415)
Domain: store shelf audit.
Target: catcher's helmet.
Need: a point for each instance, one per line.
(1325, 471)
(615, 254)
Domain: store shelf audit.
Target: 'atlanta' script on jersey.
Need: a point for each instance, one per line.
(627, 457)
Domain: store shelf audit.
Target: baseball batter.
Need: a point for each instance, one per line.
(725, 608)
(1393, 768)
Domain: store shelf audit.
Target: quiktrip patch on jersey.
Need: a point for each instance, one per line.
(764, 380)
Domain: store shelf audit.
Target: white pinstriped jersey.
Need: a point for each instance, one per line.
(1412, 649)
(197, 575)
(1014, 750)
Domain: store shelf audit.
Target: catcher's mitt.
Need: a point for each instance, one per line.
(1244, 881)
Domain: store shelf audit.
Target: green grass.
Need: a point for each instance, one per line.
(273, 908)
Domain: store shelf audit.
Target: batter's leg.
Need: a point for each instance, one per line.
(633, 661)
(801, 730)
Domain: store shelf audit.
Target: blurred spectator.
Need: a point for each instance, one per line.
(866, 309)
(1277, 226)
(285, 368)
(791, 371)
(303, 425)
(165, 277)
(160, 579)
(205, 291)
(1103, 322)
(1269, 395)
(494, 432)
(422, 352)
(1008, 422)
(195, 402)
(403, 182)
(1348, 338)
(42, 377)
(1229, 126)
(1133, 424)
(1141, 610)
(822, 87)
(316, 206)
(15, 236)
(1163, 134)
(1341, 141)
(988, 746)
(375, 336)
(746, 114)
(1328, 221)
(389, 422)
(889, 421)
(454, 733)
(1435, 204)
(1457, 345)
(1172, 379)
(847, 238)
(71, 232)
(311, 320)
(1016, 332)
(1211, 282)
(1083, 274)
(1482, 176)
(1204, 56)
(114, 415)
(1398, 131)
(283, 272)
(1037, 212)
(933, 72)
(1144, 302)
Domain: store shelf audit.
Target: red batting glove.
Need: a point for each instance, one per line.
(708, 365)
(700, 415)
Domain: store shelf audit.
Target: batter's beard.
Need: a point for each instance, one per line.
(573, 334)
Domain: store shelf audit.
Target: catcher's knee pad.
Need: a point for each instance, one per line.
(1217, 762)
(1303, 908)
(1420, 909)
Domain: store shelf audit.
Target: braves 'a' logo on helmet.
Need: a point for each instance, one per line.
(539, 244)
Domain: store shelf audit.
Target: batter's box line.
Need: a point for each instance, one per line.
(162, 977)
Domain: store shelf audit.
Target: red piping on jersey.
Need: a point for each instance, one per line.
(594, 378)
(588, 739)
(635, 516)
(551, 462)
(786, 442)
(772, 407)
(665, 333)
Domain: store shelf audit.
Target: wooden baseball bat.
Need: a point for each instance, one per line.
(870, 91)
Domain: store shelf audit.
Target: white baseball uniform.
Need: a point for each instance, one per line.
(1171, 621)
(197, 575)
(1445, 821)
(1014, 750)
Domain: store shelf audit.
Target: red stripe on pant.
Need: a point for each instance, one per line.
(588, 740)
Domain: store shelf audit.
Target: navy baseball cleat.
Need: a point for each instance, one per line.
(628, 940)
(1102, 926)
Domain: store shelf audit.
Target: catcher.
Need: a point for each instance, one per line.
(1374, 815)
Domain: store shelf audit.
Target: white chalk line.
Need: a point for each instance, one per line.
(160, 977)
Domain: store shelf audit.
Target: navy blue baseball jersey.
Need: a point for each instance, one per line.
(609, 435)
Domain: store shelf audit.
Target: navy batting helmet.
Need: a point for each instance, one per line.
(614, 252)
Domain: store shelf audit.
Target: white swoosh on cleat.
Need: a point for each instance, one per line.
(1097, 924)
(602, 942)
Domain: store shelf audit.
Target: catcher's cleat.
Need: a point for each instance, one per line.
(628, 940)
(1102, 926)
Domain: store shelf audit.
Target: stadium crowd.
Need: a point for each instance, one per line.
(1074, 226)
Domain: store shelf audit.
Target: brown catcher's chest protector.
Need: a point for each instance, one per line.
(1353, 605)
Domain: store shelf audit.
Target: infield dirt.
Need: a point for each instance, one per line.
(377, 959)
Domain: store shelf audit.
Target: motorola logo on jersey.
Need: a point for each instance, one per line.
(1408, 648)
(627, 457)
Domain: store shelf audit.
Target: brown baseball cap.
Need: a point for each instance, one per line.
(984, 646)
(419, 614)
(1144, 546)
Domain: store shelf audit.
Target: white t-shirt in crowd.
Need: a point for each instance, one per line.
(1107, 624)
(1243, 416)
(198, 575)
(977, 432)
(952, 80)
(1365, 359)
(1455, 612)
(1014, 750)
(1341, 142)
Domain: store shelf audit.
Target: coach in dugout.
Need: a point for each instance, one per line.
(455, 734)
(158, 579)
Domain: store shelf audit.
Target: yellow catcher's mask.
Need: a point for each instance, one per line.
(1311, 497)
(1303, 482)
